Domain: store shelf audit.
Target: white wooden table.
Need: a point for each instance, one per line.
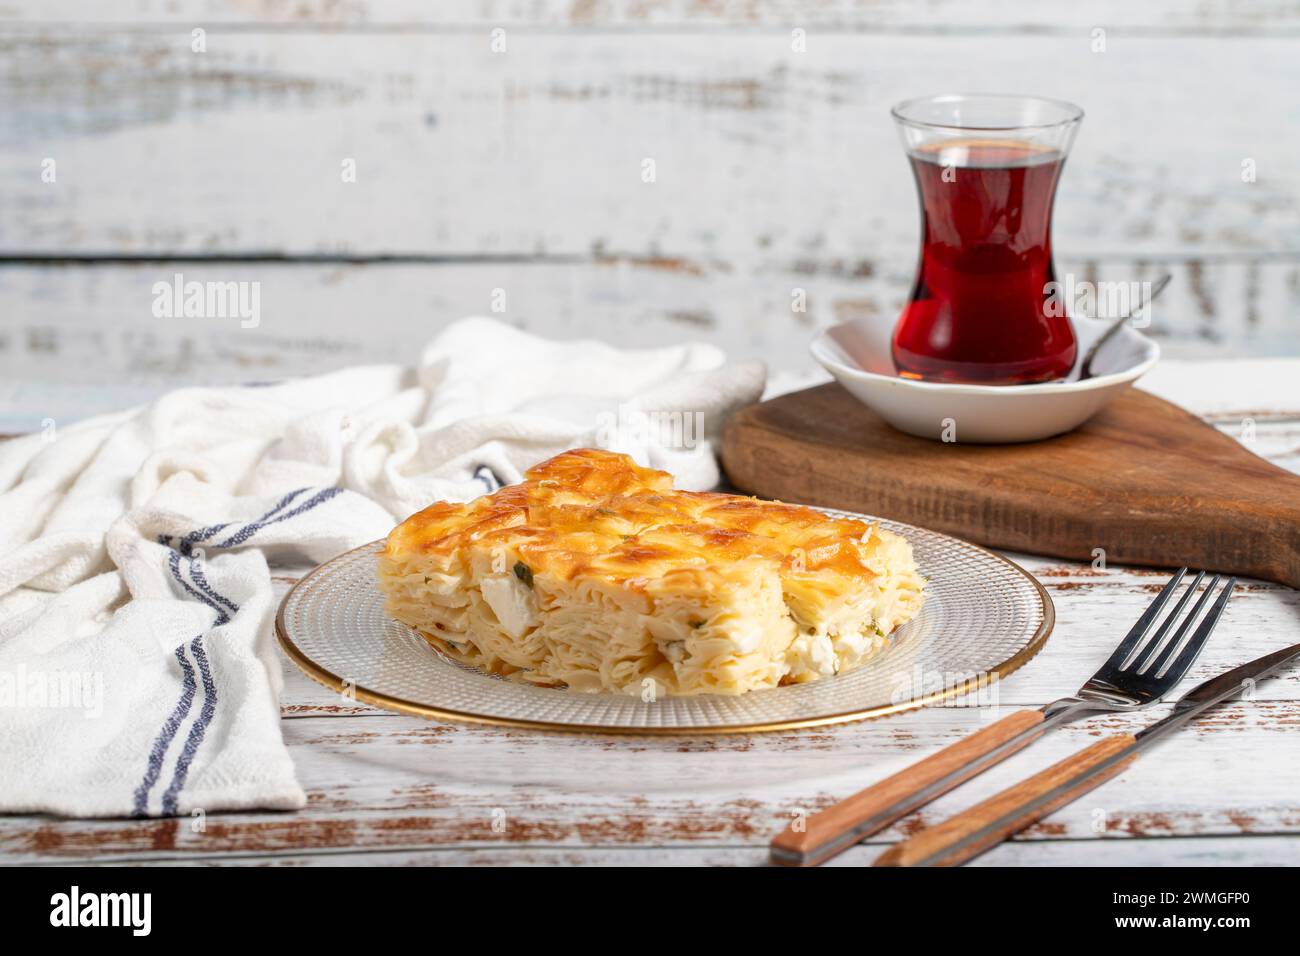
(521, 171)
(386, 788)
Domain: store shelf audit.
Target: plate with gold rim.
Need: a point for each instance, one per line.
(984, 616)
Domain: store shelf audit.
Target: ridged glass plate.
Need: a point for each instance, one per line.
(983, 617)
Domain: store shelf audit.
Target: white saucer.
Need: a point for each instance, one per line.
(858, 355)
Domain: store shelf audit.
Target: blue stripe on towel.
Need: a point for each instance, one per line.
(174, 561)
(169, 728)
(281, 505)
(189, 688)
(207, 595)
(185, 544)
(196, 575)
(197, 731)
(243, 534)
(194, 537)
(489, 478)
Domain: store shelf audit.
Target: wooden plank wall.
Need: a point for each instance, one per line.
(521, 170)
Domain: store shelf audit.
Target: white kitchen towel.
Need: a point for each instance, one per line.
(137, 670)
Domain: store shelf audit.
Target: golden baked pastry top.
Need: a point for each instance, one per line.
(594, 512)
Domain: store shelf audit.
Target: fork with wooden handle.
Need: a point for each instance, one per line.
(983, 826)
(1133, 676)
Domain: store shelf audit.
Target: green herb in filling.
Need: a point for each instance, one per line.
(524, 573)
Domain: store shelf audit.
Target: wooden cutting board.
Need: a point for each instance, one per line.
(1144, 480)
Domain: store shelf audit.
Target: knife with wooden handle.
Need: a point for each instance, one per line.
(966, 835)
(835, 829)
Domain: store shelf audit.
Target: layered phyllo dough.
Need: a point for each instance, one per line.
(594, 574)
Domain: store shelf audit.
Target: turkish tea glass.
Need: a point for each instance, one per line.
(985, 307)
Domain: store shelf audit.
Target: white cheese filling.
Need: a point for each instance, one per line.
(512, 602)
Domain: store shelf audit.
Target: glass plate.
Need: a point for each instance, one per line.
(983, 617)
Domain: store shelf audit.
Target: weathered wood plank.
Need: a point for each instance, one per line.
(938, 16)
(764, 157)
(71, 329)
(406, 784)
(1163, 851)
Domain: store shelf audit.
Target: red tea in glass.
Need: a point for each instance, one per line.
(982, 310)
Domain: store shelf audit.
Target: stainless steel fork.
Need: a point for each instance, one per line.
(1141, 670)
